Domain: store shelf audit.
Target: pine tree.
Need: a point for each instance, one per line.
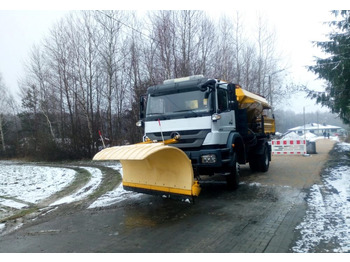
(335, 68)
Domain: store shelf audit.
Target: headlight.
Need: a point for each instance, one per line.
(209, 159)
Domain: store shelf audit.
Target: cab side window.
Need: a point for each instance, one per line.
(222, 99)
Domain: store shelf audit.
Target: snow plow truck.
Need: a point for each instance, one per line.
(195, 126)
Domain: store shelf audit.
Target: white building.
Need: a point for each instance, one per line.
(318, 129)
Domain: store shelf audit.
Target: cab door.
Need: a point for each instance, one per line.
(227, 121)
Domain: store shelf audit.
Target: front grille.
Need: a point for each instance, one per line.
(188, 138)
(182, 133)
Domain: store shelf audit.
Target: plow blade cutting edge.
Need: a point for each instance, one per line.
(153, 168)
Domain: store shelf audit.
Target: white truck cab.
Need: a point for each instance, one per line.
(214, 130)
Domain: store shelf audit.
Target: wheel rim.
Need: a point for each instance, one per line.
(237, 169)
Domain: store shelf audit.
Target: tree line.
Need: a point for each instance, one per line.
(88, 73)
(334, 67)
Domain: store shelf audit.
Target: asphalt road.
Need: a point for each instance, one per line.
(260, 216)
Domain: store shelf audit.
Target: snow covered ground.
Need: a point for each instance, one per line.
(22, 185)
(308, 136)
(327, 220)
(117, 195)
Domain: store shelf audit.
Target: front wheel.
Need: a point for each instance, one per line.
(232, 179)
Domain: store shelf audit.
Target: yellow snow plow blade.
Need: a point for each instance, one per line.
(153, 168)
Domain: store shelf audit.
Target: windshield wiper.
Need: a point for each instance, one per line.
(187, 110)
(152, 114)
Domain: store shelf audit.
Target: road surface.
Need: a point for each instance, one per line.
(260, 216)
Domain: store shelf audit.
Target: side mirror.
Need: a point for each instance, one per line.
(142, 107)
(232, 98)
(209, 84)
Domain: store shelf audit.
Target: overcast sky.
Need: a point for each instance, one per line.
(296, 27)
(20, 30)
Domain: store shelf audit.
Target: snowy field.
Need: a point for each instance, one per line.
(22, 186)
(327, 220)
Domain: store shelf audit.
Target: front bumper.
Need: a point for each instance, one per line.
(222, 156)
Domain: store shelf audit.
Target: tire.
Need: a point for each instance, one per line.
(260, 163)
(233, 178)
(264, 161)
(254, 164)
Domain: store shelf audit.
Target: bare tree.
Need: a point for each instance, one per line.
(59, 55)
(92, 67)
(163, 43)
(3, 109)
(85, 57)
(224, 57)
(206, 47)
(37, 78)
(239, 40)
(266, 60)
(247, 64)
(177, 42)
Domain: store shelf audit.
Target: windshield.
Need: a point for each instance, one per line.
(170, 105)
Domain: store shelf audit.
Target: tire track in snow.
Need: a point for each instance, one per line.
(85, 191)
(117, 195)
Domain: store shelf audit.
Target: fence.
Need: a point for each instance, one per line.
(288, 147)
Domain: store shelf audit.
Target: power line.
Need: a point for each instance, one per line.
(138, 31)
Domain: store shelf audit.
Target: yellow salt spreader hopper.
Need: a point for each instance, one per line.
(154, 168)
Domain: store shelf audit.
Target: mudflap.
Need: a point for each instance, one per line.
(154, 169)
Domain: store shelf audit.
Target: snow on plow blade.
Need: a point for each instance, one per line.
(153, 168)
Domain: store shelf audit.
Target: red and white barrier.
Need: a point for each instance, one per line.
(288, 147)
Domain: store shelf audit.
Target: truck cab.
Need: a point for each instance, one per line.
(217, 129)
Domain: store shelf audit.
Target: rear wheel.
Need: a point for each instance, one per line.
(232, 179)
(260, 163)
(253, 163)
(264, 161)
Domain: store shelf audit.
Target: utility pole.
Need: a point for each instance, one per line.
(270, 91)
(304, 123)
